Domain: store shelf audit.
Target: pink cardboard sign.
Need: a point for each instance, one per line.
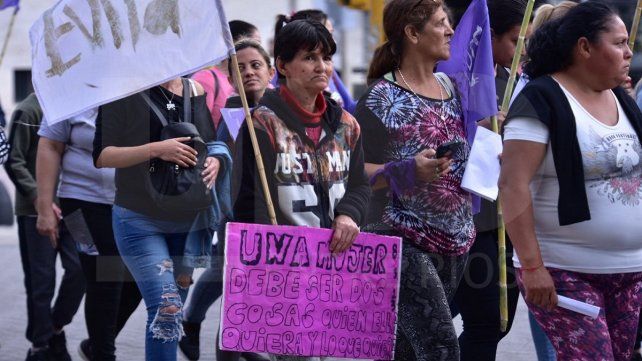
(285, 293)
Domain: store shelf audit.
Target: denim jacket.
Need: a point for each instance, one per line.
(198, 246)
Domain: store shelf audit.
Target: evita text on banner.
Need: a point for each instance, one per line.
(96, 52)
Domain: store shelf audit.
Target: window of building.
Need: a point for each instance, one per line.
(22, 84)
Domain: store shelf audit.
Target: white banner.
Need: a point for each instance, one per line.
(90, 52)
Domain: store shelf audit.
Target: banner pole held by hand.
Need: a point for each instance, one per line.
(503, 290)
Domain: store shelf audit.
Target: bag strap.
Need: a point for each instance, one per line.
(154, 108)
(187, 101)
(192, 82)
(216, 87)
(445, 79)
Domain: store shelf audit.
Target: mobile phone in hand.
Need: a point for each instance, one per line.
(448, 148)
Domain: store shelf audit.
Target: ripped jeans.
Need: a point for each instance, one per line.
(152, 249)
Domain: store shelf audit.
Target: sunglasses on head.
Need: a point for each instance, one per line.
(419, 2)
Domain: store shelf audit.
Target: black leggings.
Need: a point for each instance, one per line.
(112, 295)
(425, 329)
(477, 299)
(638, 335)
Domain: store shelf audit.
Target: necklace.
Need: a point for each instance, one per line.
(170, 105)
(442, 113)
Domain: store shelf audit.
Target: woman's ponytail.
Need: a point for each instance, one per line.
(544, 51)
(384, 60)
(281, 21)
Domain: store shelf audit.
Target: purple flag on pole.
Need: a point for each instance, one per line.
(471, 65)
(7, 3)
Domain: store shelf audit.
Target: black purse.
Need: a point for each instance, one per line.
(170, 186)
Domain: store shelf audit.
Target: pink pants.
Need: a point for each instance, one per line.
(579, 338)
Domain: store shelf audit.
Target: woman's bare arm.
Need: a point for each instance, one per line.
(520, 162)
(171, 150)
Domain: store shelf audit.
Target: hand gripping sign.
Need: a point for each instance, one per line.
(285, 293)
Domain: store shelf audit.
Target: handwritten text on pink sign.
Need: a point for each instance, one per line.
(285, 293)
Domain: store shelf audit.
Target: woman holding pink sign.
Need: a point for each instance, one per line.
(297, 125)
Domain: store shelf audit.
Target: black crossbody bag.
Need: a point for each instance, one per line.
(172, 187)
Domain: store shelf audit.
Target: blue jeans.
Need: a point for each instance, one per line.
(207, 289)
(543, 347)
(152, 249)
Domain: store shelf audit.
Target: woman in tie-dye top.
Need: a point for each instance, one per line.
(407, 113)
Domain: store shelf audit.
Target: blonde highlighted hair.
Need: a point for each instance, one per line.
(548, 12)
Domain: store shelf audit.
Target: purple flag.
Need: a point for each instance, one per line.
(7, 3)
(471, 65)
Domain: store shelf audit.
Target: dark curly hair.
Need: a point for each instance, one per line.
(551, 48)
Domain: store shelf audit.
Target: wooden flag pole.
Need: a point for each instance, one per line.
(508, 93)
(503, 290)
(6, 38)
(635, 25)
(255, 143)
